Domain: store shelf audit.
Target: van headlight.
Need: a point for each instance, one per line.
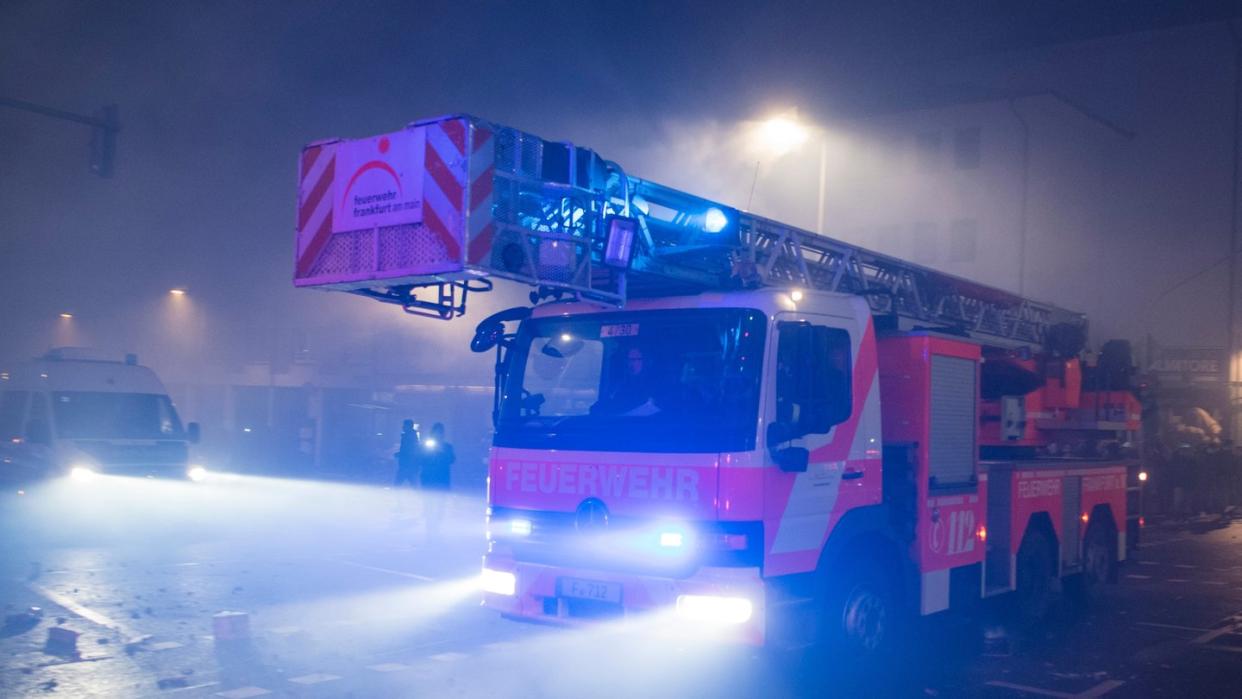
(82, 472)
(196, 473)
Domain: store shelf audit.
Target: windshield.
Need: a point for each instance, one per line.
(654, 381)
(102, 415)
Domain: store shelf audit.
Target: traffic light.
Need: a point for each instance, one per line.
(103, 140)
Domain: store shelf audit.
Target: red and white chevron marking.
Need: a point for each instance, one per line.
(482, 172)
(445, 185)
(314, 205)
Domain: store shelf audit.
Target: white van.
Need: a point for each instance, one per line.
(73, 412)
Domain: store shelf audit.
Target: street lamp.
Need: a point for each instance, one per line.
(65, 330)
(784, 133)
(178, 291)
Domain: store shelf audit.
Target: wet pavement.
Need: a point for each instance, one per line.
(341, 591)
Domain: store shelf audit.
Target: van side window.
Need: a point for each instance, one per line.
(38, 426)
(12, 412)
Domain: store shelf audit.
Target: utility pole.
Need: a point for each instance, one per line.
(1235, 370)
(105, 125)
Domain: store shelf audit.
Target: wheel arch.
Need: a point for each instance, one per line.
(868, 532)
(1041, 522)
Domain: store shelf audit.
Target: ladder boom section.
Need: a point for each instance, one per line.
(457, 200)
(783, 255)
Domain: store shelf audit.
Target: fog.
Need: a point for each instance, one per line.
(215, 103)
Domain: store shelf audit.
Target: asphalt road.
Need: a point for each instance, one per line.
(347, 595)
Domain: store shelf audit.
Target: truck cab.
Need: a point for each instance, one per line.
(674, 453)
(75, 412)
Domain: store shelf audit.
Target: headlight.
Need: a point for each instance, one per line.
(498, 582)
(196, 473)
(82, 473)
(715, 610)
(671, 539)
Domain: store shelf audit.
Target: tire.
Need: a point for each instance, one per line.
(1035, 596)
(860, 615)
(1098, 565)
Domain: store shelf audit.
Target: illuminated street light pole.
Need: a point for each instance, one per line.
(785, 133)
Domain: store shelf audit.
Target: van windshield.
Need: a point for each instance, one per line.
(684, 380)
(104, 415)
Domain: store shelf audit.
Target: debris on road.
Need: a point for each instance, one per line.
(171, 682)
(996, 642)
(62, 641)
(136, 643)
(230, 626)
(21, 622)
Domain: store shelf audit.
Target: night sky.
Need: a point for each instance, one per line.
(216, 100)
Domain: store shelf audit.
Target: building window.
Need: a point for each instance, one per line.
(967, 148)
(928, 145)
(963, 236)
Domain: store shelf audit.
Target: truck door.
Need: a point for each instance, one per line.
(822, 434)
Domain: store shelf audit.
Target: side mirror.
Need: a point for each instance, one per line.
(38, 432)
(491, 330)
(192, 432)
(487, 336)
(790, 459)
(793, 459)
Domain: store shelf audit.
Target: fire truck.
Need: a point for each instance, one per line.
(712, 415)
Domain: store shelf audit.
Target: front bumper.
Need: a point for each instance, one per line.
(537, 596)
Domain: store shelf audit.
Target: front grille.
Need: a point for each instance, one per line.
(122, 458)
(159, 458)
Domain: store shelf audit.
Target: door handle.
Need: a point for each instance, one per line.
(851, 474)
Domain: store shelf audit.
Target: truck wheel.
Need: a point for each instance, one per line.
(1036, 570)
(1098, 563)
(860, 614)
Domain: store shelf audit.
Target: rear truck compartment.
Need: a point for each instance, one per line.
(1062, 500)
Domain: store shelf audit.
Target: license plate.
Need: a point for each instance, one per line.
(590, 589)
